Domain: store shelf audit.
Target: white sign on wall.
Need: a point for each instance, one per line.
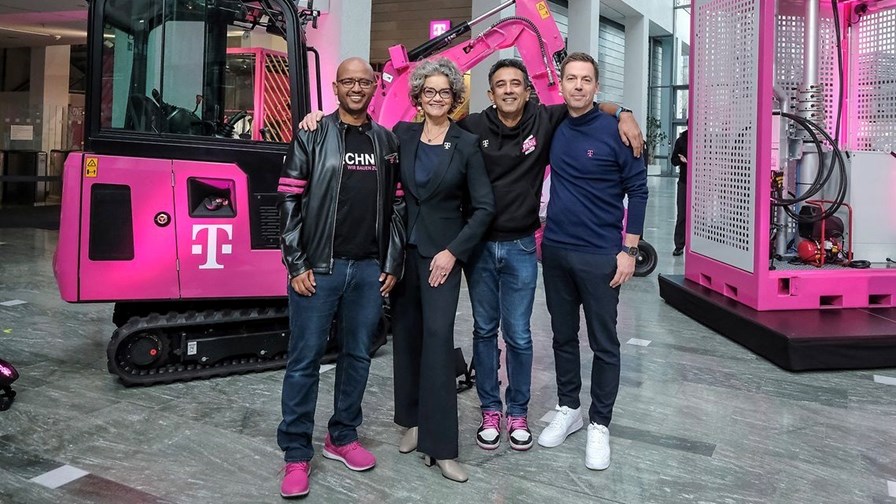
(21, 132)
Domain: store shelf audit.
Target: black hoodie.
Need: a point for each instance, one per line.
(515, 159)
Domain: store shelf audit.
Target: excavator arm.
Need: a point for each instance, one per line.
(532, 31)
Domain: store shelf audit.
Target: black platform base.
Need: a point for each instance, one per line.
(795, 340)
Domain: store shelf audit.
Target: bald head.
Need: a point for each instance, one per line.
(354, 65)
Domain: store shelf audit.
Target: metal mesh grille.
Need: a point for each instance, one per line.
(789, 61)
(724, 136)
(874, 83)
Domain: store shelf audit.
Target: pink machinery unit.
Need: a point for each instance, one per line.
(742, 52)
(756, 67)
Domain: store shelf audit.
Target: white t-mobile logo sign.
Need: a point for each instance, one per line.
(211, 242)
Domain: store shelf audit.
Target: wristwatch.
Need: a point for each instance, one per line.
(631, 251)
(620, 109)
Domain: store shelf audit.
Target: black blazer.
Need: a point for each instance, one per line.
(437, 210)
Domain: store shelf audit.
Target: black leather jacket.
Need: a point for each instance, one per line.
(309, 189)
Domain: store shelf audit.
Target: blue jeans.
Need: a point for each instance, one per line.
(351, 292)
(501, 276)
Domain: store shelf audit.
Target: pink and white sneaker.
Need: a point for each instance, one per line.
(353, 455)
(518, 433)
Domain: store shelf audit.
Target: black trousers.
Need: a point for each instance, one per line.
(423, 342)
(680, 202)
(573, 280)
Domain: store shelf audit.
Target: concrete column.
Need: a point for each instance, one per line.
(49, 94)
(584, 26)
(637, 43)
(342, 32)
(479, 75)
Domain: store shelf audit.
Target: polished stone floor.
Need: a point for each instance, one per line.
(698, 418)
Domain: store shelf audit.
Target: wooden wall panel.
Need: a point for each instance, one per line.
(407, 22)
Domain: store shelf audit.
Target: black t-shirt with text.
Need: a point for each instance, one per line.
(355, 235)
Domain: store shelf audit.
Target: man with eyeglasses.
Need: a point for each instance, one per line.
(342, 221)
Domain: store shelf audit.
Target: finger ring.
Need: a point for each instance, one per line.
(444, 274)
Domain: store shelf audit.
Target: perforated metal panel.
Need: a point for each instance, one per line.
(724, 134)
(789, 49)
(873, 95)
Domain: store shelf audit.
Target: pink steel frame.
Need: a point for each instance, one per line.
(260, 84)
(763, 289)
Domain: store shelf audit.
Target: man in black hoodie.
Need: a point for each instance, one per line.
(515, 137)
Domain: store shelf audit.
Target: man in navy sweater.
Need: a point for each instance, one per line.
(584, 256)
(515, 136)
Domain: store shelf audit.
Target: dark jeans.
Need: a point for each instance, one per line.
(352, 291)
(680, 202)
(572, 280)
(423, 342)
(501, 276)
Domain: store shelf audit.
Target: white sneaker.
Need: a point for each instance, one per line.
(597, 448)
(565, 422)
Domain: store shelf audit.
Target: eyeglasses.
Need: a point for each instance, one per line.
(350, 83)
(445, 94)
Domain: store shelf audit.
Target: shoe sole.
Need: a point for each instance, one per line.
(597, 468)
(522, 447)
(333, 456)
(295, 496)
(575, 428)
(485, 446)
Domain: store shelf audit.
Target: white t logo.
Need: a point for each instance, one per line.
(211, 251)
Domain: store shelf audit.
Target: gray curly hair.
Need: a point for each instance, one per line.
(440, 66)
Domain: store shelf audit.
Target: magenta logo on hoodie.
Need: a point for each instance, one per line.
(529, 144)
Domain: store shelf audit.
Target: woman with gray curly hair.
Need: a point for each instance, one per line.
(444, 178)
(430, 68)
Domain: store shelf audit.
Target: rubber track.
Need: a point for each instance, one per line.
(192, 322)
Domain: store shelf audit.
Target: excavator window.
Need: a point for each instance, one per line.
(193, 67)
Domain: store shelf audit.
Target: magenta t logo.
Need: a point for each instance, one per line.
(211, 244)
(438, 27)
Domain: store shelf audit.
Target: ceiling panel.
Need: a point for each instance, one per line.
(42, 22)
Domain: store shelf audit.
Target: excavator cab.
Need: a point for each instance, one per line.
(171, 210)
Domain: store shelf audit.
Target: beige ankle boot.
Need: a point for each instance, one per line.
(408, 441)
(450, 468)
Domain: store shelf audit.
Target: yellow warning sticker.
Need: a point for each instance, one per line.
(91, 165)
(543, 10)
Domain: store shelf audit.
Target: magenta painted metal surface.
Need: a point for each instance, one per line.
(391, 102)
(785, 289)
(152, 274)
(216, 256)
(214, 253)
(65, 259)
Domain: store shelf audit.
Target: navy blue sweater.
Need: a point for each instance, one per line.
(591, 172)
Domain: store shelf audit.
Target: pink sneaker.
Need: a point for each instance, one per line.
(488, 437)
(295, 481)
(353, 455)
(518, 432)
